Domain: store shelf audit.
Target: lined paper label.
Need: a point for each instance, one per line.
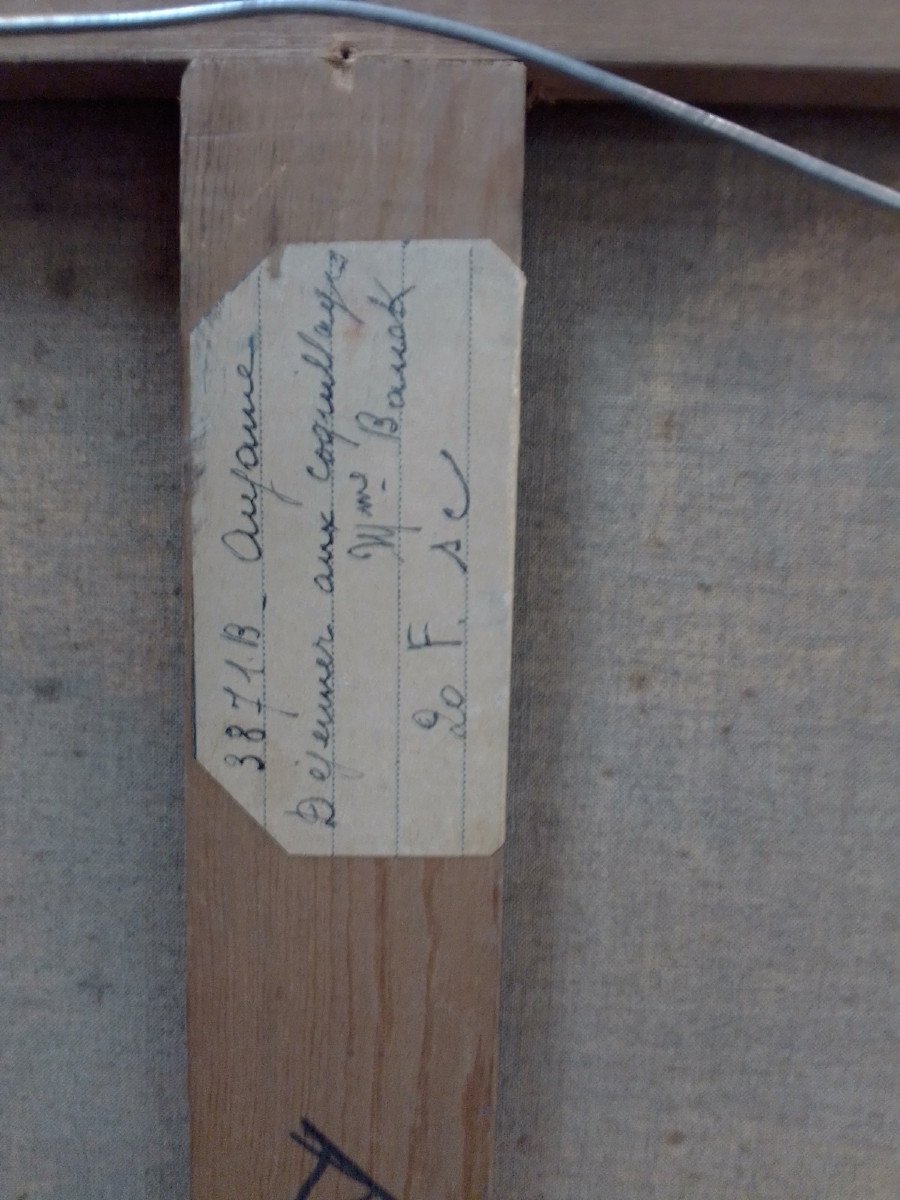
(354, 421)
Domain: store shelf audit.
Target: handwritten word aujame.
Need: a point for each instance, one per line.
(244, 541)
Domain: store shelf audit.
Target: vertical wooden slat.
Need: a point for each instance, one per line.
(361, 993)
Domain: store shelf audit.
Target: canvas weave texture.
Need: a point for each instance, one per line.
(702, 852)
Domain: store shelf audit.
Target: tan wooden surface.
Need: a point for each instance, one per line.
(831, 34)
(362, 994)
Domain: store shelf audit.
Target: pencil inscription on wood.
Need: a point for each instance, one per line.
(354, 419)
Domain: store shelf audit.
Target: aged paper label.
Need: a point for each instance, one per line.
(354, 424)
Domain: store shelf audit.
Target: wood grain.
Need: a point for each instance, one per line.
(362, 994)
(815, 34)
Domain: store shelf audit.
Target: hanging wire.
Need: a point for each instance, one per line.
(584, 73)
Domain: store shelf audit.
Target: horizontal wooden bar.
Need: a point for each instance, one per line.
(825, 35)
